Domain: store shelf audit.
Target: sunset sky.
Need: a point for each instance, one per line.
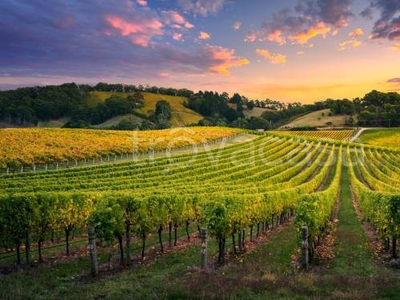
(288, 50)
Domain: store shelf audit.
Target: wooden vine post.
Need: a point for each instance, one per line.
(304, 247)
(203, 236)
(92, 251)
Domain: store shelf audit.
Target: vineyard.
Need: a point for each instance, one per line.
(236, 192)
(339, 135)
(41, 146)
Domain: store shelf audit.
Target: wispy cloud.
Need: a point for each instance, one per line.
(349, 45)
(394, 84)
(201, 7)
(175, 20)
(273, 58)
(250, 37)
(237, 25)
(204, 35)
(395, 47)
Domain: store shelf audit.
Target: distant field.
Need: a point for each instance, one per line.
(340, 135)
(116, 120)
(248, 113)
(29, 146)
(54, 123)
(381, 137)
(181, 115)
(319, 118)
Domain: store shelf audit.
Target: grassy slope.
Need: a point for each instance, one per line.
(316, 119)
(381, 137)
(181, 115)
(116, 120)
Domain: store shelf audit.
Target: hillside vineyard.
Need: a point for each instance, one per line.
(226, 189)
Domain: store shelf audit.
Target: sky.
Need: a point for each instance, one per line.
(287, 50)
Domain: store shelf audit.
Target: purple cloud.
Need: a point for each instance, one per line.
(388, 24)
(333, 12)
(201, 7)
(391, 80)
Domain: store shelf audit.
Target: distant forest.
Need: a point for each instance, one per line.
(27, 106)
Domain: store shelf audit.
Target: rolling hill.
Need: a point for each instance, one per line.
(320, 118)
(181, 115)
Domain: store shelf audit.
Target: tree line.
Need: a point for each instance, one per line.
(27, 106)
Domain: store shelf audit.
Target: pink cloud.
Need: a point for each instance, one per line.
(204, 35)
(142, 2)
(177, 36)
(349, 45)
(273, 58)
(356, 33)
(237, 25)
(165, 75)
(176, 20)
(140, 40)
(223, 59)
(140, 31)
(317, 29)
(276, 36)
(64, 23)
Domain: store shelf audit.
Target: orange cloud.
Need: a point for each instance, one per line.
(349, 44)
(224, 59)
(140, 31)
(276, 36)
(318, 29)
(300, 52)
(204, 35)
(395, 47)
(274, 58)
(356, 33)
